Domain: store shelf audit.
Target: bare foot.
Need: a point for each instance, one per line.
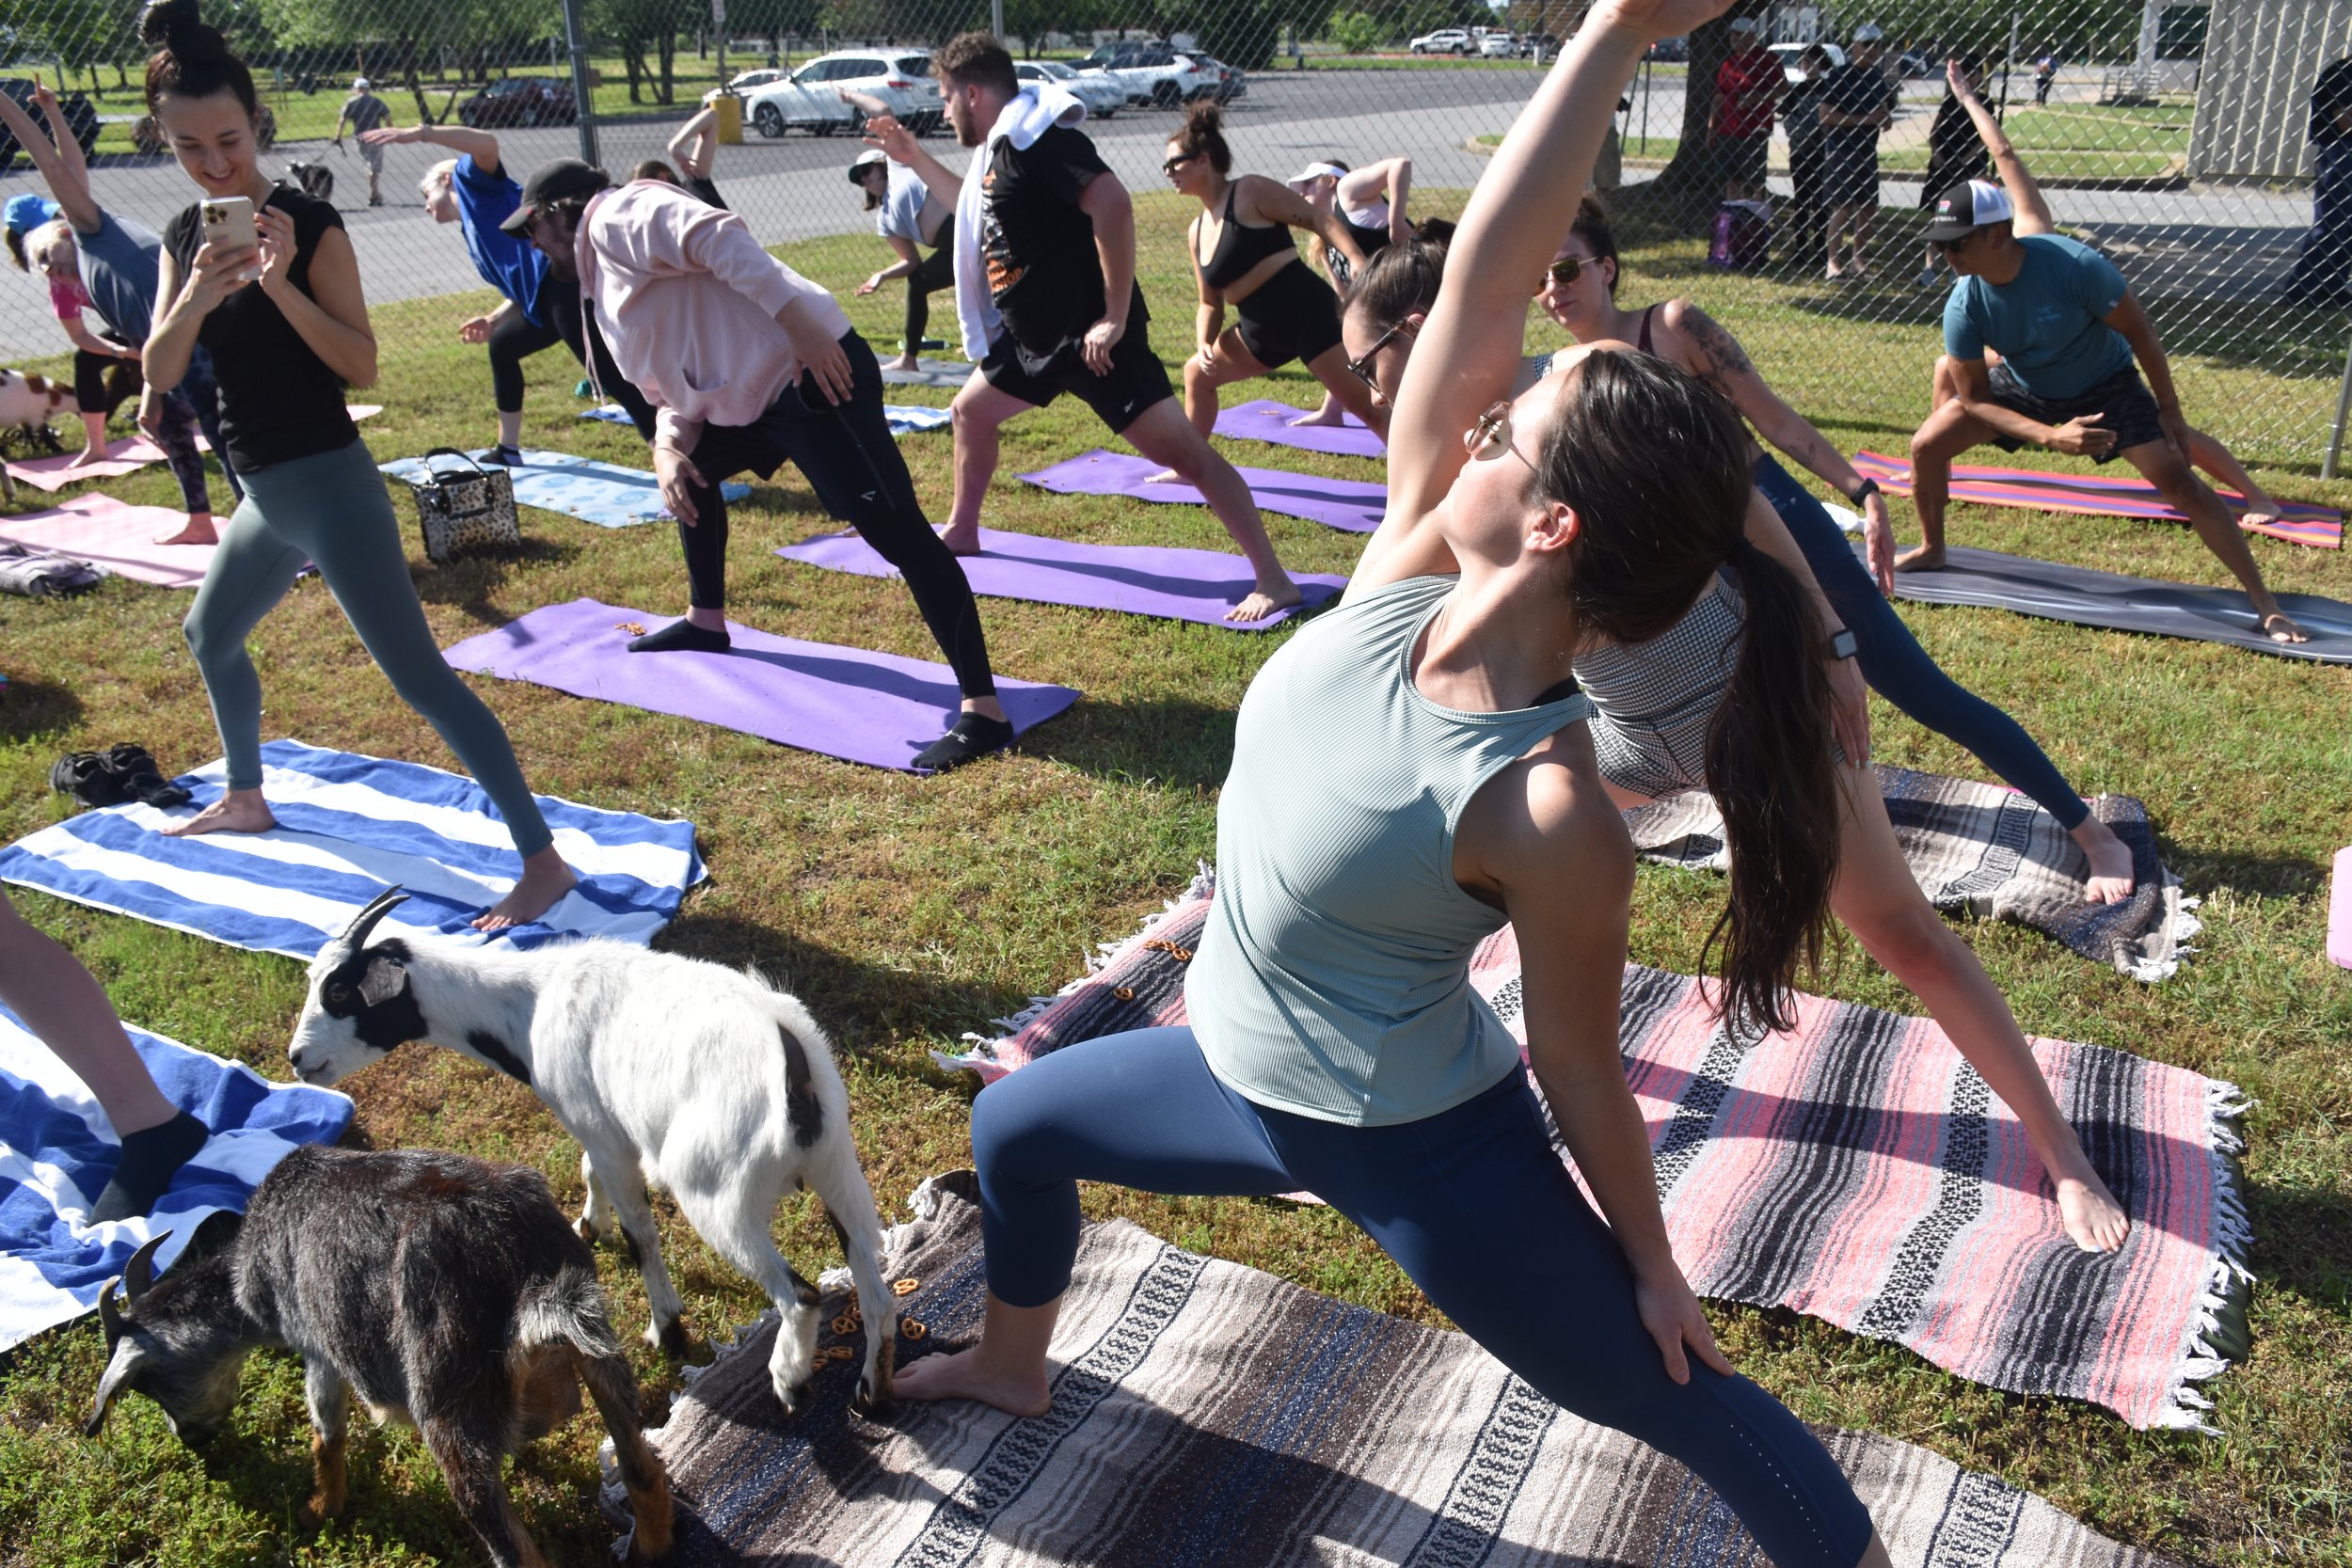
(1920, 558)
(904, 362)
(1166, 476)
(239, 810)
(88, 457)
(2110, 880)
(967, 1375)
(1330, 414)
(2259, 516)
(960, 541)
(544, 879)
(1263, 602)
(2094, 1221)
(2280, 628)
(190, 532)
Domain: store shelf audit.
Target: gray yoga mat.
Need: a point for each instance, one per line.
(1992, 580)
(934, 372)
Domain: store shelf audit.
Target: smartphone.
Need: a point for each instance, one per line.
(228, 223)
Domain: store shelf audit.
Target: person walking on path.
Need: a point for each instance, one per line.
(2045, 73)
(748, 366)
(1748, 86)
(365, 112)
(286, 321)
(1411, 772)
(2073, 342)
(2323, 269)
(112, 263)
(1047, 299)
(1244, 253)
(1857, 103)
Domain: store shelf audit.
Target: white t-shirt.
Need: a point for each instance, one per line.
(901, 212)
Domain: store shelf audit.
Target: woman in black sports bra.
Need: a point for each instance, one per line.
(1244, 253)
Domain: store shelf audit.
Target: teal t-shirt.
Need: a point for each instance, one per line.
(2048, 323)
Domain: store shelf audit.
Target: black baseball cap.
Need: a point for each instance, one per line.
(1966, 208)
(553, 182)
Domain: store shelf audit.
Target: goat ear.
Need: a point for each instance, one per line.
(139, 1275)
(382, 980)
(363, 923)
(119, 1367)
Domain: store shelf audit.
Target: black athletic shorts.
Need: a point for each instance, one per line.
(1850, 167)
(1742, 158)
(1134, 382)
(1291, 315)
(2122, 401)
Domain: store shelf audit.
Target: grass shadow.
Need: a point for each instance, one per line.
(1178, 743)
(32, 708)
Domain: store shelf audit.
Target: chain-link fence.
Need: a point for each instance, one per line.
(2171, 135)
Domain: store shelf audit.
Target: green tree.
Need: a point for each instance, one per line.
(1355, 32)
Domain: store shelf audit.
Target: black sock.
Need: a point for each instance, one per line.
(975, 735)
(681, 636)
(149, 1160)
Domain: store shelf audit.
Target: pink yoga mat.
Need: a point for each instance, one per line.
(1268, 420)
(106, 532)
(1136, 579)
(1351, 504)
(2340, 911)
(2097, 495)
(127, 456)
(847, 703)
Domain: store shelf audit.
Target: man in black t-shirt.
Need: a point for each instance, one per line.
(2323, 272)
(363, 112)
(1857, 102)
(1055, 236)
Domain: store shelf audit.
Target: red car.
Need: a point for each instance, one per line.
(520, 101)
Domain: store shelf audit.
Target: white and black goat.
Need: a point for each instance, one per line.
(670, 1071)
(445, 1292)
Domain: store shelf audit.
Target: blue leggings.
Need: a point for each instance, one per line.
(330, 510)
(1473, 1203)
(1899, 670)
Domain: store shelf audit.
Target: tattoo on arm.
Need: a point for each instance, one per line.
(1724, 358)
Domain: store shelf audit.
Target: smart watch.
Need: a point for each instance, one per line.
(1843, 645)
(1868, 488)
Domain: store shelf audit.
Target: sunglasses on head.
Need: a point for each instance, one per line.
(1569, 268)
(1178, 162)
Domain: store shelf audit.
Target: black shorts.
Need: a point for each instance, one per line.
(1850, 168)
(1291, 315)
(1134, 382)
(2123, 402)
(1742, 158)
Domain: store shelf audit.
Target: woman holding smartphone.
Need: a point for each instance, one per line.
(264, 277)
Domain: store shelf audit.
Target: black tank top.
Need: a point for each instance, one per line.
(1241, 247)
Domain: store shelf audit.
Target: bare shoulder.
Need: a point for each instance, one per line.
(1545, 828)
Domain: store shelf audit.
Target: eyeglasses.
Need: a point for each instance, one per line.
(1494, 429)
(1361, 366)
(1178, 162)
(1956, 243)
(1569, 268)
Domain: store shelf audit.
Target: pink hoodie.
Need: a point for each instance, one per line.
(687, 301)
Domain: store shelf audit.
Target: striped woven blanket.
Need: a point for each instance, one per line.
(1989, 852)
(1211, 1416)
(1857, 1169)
(348, 827)
(58, 1153)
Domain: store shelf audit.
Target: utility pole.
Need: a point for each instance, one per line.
(584, 97)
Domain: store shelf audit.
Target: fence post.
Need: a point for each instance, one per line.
(2343, 412)
(583, 96)
(996, 19)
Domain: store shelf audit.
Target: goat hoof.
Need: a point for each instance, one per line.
(317, 1509)
(671, 1337)
(585, 1230)
(872, 1406)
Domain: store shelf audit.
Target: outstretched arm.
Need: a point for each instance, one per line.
(2024, 192)
(1274, 202)
(481, 147)
(2130, 318)
(57, 156)
(694, 150)
(884, 130)
(1468, 352)
(1391, 177)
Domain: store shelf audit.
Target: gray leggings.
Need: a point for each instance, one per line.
(331, 509)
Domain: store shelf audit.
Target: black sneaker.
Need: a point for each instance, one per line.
(86, 776)
(140, 779)
(503, 458)
(975, 735)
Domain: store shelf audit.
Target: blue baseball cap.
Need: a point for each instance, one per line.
(26, 212)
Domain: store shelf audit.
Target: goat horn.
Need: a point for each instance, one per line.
(110, 1316)
(139, 1275)
(364, 921)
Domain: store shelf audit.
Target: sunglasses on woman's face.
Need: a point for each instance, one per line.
(1567, 270)
(1494, 429)
(1361, 366)
(1178, 162)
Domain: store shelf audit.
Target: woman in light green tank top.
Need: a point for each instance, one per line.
(1411, 772)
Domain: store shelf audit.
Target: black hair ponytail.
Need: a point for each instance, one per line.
(191, 58)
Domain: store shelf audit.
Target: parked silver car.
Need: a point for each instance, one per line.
(1103, 96)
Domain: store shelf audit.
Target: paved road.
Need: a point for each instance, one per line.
(793, 188)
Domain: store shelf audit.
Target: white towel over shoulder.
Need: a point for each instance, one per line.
(1036, 109)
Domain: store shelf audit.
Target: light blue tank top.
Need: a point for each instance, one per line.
(1333, 978)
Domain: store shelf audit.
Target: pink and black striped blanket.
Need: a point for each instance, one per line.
(2095, 495)
(1857, 1169)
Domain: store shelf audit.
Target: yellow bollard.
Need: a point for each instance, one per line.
(730, 109)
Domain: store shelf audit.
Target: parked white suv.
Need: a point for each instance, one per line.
(1445, 40)
(810, 98)
(1104, 95)
(1153, 74)
(1499, 46)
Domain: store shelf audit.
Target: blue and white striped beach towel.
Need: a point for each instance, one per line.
(905, 418)
(605, 494)
(57, 1153)
(348, 827)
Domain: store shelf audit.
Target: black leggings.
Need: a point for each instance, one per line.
(517, 338)
(934, 272)
(512, 342)
(852, 461)
(90, 389)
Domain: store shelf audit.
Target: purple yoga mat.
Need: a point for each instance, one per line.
(1268, 420)
(1137, 579)
(875, 708)
(1353, 504)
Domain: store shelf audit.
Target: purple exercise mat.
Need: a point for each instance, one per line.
(1137, 579)
(1268, 420)
(1352, 504)
(869, 708)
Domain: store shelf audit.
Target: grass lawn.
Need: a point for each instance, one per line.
(906, 911)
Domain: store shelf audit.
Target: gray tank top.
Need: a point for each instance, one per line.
(1333, 978)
